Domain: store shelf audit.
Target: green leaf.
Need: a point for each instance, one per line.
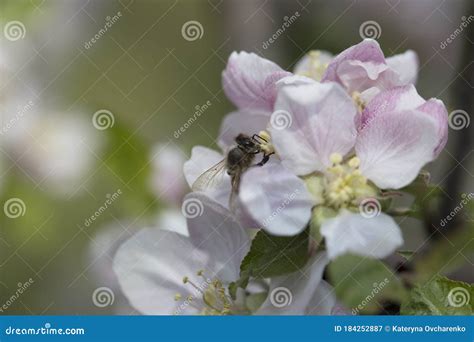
(272, 256)
(440, 296)
(361, 282)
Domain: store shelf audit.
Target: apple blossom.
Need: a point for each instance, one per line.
(342, 163)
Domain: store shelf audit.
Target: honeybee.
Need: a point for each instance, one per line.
(237, 161)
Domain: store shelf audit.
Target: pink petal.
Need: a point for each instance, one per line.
(407, 98)
(436, 109)
(367, 57)
(320, 122)
(360, 76)
(249, 81)
(396, 99)
(394, 147)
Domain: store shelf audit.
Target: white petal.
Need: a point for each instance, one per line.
(405, 65)
(394, 147)
(323, 301)
(150, 268)
(217, 232)
(276, 198)
(243, 121)
(299, 293)
(376, 237)
(202, 158)
(320, 122)
(172, 220)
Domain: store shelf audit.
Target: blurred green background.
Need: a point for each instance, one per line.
(151, 79)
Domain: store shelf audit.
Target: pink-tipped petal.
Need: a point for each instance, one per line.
(396, 99)
(393, 147)
(249, 81)
(437, 110)
(367, 57)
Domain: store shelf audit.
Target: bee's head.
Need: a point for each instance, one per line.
(246, 143)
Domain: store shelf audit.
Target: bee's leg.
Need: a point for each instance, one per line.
(265, 159)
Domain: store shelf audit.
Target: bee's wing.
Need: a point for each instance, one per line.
(210, 178)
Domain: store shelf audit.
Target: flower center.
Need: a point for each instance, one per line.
(316, 66)
(344, 185)
(213, 294)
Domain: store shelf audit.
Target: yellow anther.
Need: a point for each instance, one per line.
(200, 272)
(354, 162)
(316, 65)
(357, 98)
(177, 297)
(335, 158)
(185, 280)
(344, 183)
